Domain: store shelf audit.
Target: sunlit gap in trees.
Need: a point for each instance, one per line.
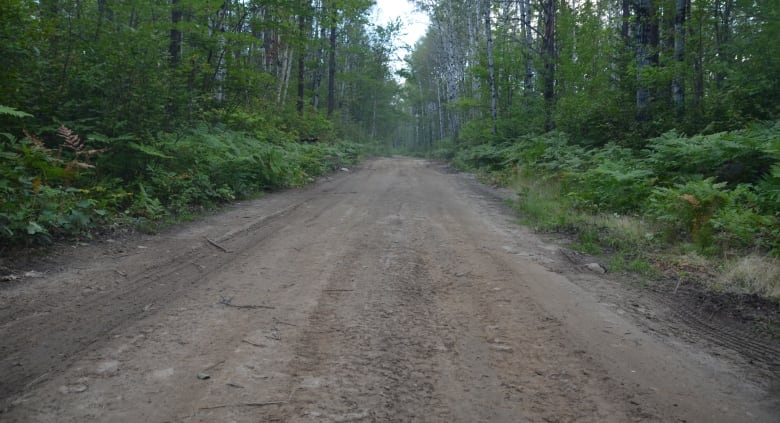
(414, 24)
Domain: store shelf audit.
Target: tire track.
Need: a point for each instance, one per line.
(39, 345)
(760, 353)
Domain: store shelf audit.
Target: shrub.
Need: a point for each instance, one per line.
(732, 157)
(738, 224)
(615, 186)
(485, 157)
(715, 218)
(46, 193)
(686, 209)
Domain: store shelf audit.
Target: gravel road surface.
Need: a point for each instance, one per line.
(399, 291)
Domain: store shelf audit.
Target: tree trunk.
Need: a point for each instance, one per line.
(318, 71)
(491, 67)
(373, 118)
(698, 63)
(220, 73)
(106, 14)
(626, 18)
(301, 62)
(548, 50)
(286, 68)
(174, 46)
(722, 37)
(646, 55)
(525, 18)
(452, 66)
(332, 70)
(439, 109)
(678, 84)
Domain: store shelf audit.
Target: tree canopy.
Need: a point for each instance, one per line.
(150, 108)
(604, 70)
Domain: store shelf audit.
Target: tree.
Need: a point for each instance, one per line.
(678, 84)
(549, 8)
(491, 69)
(646, 28)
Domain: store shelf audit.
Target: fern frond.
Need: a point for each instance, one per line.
(69, 138)
(72, 141)
(10, 111)
(35, 140)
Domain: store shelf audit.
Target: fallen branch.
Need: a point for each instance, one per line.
(214, 243)
(214, 365)
(229, 303)
(282, 322)
(252, 343)
(244, 404)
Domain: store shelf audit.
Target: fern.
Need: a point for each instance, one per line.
(10, 111)
(72, 141)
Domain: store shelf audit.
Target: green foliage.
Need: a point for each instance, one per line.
(740, 224)
(214, 166)
(769, 191)
(10, 111)
(174, 107)
(629, 263)
(734, 157)
(615, 181)
(715, 218)
(687, 208)
(483, 156)
(42, 196)
(719, 191)
(444, 150)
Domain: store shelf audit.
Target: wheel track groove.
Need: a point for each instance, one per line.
(32, 356)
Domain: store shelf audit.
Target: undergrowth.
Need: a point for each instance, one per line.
(716, 196)
(57, 185)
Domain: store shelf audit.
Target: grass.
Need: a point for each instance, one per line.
(542, 207)
(631, 243)
(751, 274)
(634, 244)
(625, 263)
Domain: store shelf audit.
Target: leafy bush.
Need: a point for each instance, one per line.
(46, 193)
(739, 225)
(551, 152)
(687, 208)
(612, 185)
(720, 191)
(715, 218)
(486, 157)
(732, 157)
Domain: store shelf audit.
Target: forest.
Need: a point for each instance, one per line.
(136, 112)
(635, 126)
(645, 129)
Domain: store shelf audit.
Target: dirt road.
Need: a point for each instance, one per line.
(396, 292)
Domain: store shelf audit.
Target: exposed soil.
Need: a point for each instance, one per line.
(396, 292)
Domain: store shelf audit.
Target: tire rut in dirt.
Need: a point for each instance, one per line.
(42, 344)
(760, 352)
(369, 352)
